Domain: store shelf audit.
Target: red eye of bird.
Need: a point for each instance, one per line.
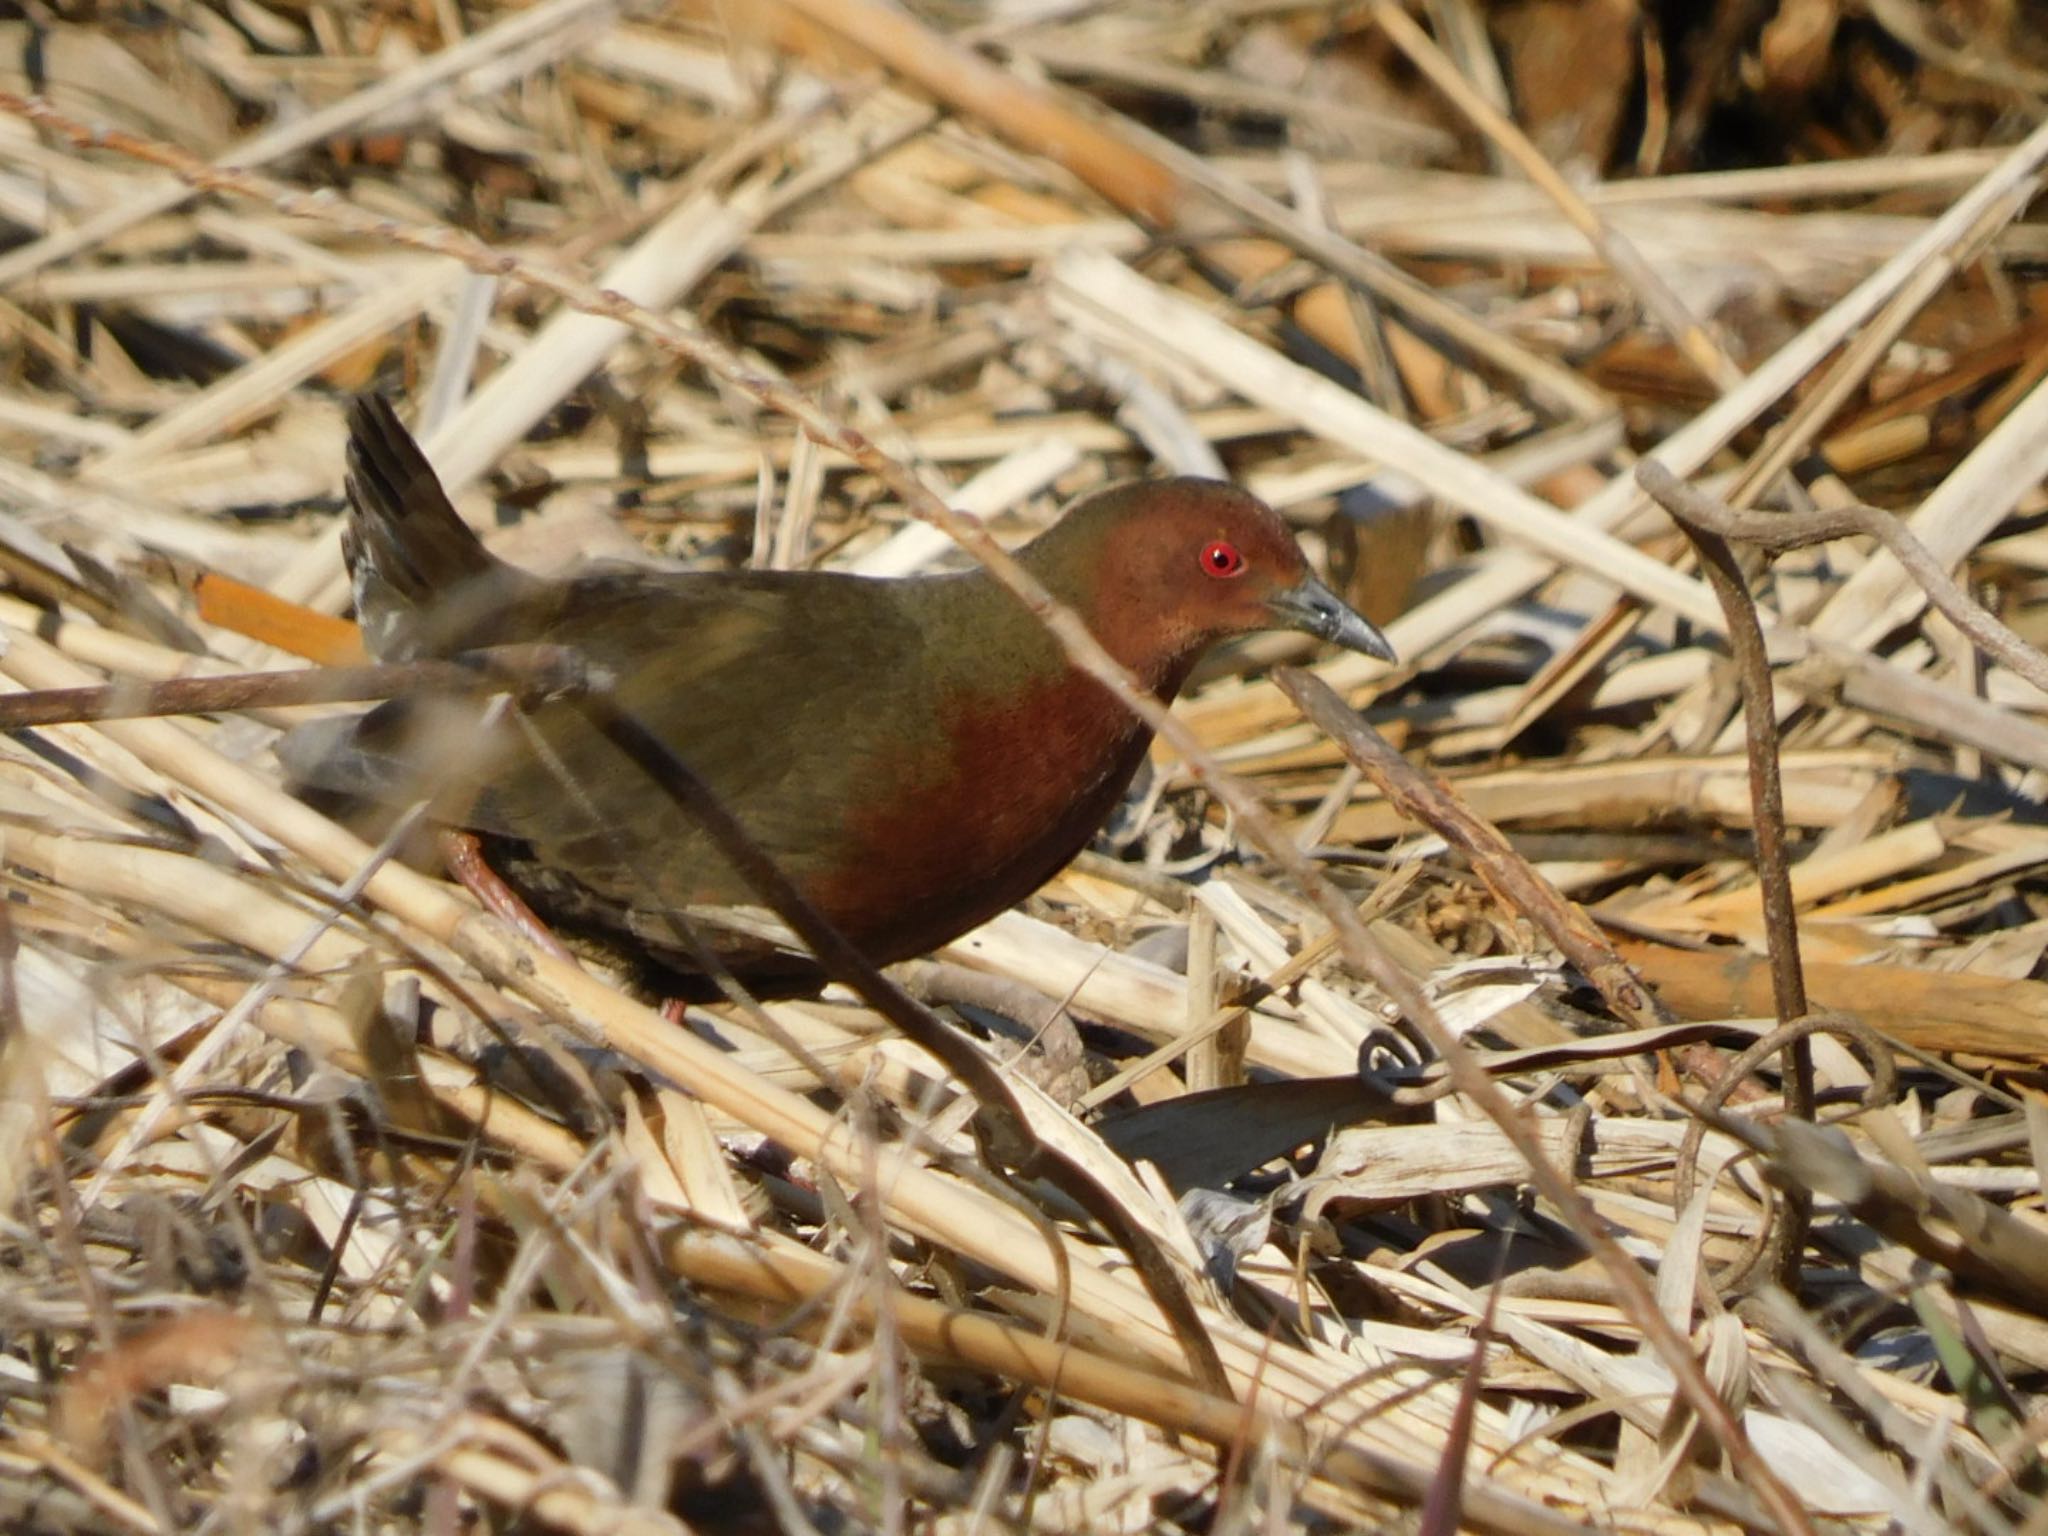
(1220, 558)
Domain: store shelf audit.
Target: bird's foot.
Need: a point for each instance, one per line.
(464, 858)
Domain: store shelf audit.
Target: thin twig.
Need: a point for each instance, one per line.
(1518, 883)
(1984, 1245)
(1767, 792)
(1778, 532)
(1767, 812)
(533, 672)
(1882, 1089)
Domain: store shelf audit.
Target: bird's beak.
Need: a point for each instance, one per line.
(1313, 608)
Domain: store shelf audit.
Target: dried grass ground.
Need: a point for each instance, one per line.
(329, 1204)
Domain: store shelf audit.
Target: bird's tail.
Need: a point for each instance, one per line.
(405, 543)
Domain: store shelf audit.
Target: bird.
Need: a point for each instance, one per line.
(916, 754)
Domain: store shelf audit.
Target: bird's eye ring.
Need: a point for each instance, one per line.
(1220, 557)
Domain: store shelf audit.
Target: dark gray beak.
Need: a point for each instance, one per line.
(1314, 609)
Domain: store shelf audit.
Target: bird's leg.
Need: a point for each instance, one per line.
(464, 857)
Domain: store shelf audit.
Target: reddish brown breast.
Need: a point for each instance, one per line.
(1020, 784)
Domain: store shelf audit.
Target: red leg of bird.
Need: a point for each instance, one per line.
(464, 857)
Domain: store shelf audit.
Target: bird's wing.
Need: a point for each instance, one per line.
(785, 695)
(775, 691)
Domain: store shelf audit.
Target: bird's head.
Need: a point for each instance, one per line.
(1163, 569)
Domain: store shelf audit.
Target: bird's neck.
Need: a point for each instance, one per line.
(1140, 636)
(1013, 669)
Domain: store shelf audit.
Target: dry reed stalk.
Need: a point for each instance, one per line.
(895, 287)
